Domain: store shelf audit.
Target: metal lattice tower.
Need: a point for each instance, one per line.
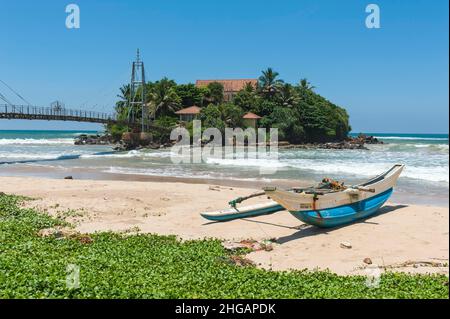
(137, 86)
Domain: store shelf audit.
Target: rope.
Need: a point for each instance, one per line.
(5, 99)
(20, 96)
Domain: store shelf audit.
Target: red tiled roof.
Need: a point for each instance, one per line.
(189, 110)
(229, 85)
(252, 116)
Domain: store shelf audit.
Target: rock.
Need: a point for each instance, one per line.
(364, 139)
(85, 139)
(349, 144)
(346, 245)
(68, 177)
(367, 261)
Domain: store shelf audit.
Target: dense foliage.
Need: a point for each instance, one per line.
(151, 266)
(300, 114)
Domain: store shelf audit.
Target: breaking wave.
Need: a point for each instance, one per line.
(32, 141)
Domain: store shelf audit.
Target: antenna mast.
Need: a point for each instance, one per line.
(137, 85)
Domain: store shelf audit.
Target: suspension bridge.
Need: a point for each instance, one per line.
(57, 111)
(30, 112)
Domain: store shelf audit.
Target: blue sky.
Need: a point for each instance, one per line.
(392, 79)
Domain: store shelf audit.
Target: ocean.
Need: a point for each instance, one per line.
(425, 179)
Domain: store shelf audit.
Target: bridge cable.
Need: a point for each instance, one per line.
(20, 96)
(5, 99)
(103, 91)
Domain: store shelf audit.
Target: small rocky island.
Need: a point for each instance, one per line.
(303, 117)
(128, 142)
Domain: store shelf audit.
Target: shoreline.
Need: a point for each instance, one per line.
(404, 196)
(397, 235)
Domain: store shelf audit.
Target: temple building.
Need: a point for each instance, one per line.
(230, 87)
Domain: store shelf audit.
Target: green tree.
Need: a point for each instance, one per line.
(286, 120)
(268, 82)
(212, 117)
(232, 115)
(122, 106)
(214, 93)
(305, 85)
(163, 98)
(190, 94)
(246, 99)
(287, 96)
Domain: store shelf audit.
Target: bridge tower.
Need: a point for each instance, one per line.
(137, 87)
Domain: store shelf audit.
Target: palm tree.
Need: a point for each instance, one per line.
(268, 82)
(122, 106)
(287, 96)
(305, 85)
(163, 98)
(248, 87)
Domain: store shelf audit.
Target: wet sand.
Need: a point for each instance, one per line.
(402, 195)
(401, 237)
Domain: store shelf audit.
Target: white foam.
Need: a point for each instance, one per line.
(411, 138)
(32, 141)
(129, 154)
(271, 163)
(433, 174)
(175, 173)
(27, 156)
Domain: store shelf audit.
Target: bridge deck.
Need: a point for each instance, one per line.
(26, 112)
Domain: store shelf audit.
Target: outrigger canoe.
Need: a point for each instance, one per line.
(331, 207)
(330, 204)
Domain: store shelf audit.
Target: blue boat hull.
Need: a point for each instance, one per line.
(346, 214)
(236, 215)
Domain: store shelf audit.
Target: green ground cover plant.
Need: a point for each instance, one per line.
(150, 266)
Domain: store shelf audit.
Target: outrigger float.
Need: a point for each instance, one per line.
(329, 204)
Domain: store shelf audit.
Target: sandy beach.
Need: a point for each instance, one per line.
(401, 237)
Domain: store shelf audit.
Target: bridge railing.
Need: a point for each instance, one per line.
(54, 112)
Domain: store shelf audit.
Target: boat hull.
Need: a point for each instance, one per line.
(346, 214)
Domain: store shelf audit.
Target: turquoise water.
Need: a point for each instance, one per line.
(426, 157)
(399, 137)
(40, 135)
